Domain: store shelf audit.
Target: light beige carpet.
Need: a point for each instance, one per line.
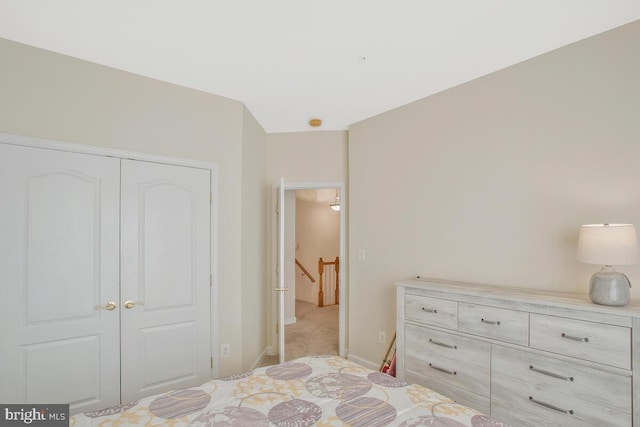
(314, 333)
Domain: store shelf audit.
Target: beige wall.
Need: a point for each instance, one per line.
(56, 97)
(290, 256)
(253, 230)
(299, 157)
(488, 182)
(319, 156)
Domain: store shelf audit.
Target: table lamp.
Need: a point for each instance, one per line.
(608, 245)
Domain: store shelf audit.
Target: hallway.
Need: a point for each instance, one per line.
(314, 333)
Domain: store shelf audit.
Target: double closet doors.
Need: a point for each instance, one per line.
(105, 278)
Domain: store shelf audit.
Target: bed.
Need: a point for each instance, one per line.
(320, 390)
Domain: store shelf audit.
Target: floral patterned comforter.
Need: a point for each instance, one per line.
(321, 391)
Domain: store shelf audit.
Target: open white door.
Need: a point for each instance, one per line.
(280, 271)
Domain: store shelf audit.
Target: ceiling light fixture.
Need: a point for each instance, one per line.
(336, 204)
(315, 123)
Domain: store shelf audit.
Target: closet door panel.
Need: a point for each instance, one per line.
(59, 222)
(168, 245)
(165, 262)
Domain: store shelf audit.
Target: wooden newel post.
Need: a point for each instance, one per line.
(320, 293)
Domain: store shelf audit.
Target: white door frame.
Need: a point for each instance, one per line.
(342, 307)
(28, 141)
(280, 270)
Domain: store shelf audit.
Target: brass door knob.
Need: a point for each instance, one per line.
(110, 306)
(131, 304)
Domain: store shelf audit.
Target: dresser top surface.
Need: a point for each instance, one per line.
(557, 299)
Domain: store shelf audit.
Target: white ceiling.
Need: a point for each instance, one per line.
(291, 60)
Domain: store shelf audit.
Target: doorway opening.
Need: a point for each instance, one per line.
(300, 205)
(312, 268)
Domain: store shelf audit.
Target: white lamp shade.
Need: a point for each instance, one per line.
(608, 244)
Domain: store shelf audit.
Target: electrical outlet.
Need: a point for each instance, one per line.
(382, 337)
(225, 350)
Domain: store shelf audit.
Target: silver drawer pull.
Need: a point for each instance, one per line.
(446, 371)
(429, 310)
(569, 337)
(550, 406)
(551, 374)
(490, 322)
(441, 344)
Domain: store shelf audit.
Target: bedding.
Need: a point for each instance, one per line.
(320, 390)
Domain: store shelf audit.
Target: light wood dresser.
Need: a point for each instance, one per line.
(526, 357)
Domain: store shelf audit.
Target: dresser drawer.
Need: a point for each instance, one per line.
(597, 342)
(432, 311)
(496, 323)
(458, 394)
(530, 389)
(448, 358)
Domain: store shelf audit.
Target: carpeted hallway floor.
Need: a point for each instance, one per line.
(314, 333)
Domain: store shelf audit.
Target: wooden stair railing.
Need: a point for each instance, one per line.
(305, 271)
(321, 264)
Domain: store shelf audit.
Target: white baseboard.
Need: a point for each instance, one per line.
(346, 353)
(257, 362)
(364, 362)
(290, 320)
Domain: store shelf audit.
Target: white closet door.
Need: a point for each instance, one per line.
(59, 219)
(165, 257)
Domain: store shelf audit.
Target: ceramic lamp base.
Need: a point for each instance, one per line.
(609, 287)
